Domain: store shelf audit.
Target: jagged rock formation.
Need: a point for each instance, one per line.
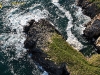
(89, 8)
(92, 29)
(38, 35)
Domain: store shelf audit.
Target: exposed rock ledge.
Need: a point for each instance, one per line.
(89, 8)
(92, 30)
(38, 35)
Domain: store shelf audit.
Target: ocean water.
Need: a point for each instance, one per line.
(14, 15)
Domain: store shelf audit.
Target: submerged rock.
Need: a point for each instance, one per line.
(38, 35)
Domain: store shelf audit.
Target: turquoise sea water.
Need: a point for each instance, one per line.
(63, 14)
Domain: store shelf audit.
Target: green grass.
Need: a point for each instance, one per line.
(95, 60)
(60, 51)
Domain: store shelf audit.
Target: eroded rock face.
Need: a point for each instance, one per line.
(93, 30)
(38, 35)
(89, 8)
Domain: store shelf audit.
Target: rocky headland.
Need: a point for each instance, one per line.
(91, 8)
(48, 48)
(38, 36)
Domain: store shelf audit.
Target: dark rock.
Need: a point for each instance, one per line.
(93, 30)
(63, 69)
(89, 8)
(27, 27)
(49, 66)
(29, 43)
(31, 22)
(97, 43)
(80, 2)
(36, 40)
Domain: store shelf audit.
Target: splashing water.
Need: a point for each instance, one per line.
(64, 15)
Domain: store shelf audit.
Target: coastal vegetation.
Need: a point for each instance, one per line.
(60, 51)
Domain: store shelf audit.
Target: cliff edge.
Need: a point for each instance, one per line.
(48, 48)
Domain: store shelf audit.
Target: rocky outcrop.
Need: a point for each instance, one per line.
(89, 8)
(38, 35)
(93, 30)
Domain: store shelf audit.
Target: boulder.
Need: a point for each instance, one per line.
(93, 30)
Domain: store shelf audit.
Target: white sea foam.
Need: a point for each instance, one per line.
(16, 22)
(81, 17)
(45, 73)
(55, 1)
(71, 38)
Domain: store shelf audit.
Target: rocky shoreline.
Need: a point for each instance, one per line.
(38, 35)
(89, 8)
(92, 30)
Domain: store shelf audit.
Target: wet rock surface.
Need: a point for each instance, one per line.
(37, 36)
(93, 30)
(89, 8)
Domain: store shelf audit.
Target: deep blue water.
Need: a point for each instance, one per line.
(64, 14)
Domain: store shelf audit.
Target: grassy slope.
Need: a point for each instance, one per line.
(60, 51)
